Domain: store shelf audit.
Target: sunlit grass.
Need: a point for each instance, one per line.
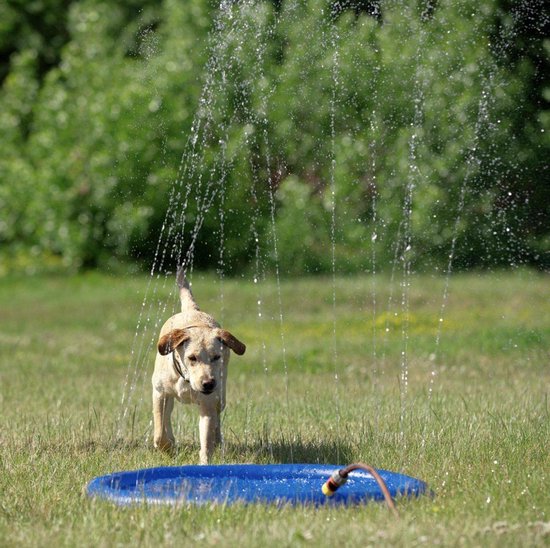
(472, 419)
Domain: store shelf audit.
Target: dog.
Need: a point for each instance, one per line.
(191, 367)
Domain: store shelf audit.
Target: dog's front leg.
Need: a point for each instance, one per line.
(219, 437)
(208, 427)
(162, 410)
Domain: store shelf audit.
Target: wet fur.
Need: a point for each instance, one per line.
(203, 347)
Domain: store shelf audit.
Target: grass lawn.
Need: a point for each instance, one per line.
(333, 374)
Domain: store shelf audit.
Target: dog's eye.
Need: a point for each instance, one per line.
(192, 358)
(216, 358)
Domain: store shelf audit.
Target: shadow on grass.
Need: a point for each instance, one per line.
(291, 451)
(261, 450)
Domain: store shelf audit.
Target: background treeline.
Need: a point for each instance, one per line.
(408, 123)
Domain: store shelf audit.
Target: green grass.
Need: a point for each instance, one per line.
(473, 418)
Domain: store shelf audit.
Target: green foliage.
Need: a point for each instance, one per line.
(296, 112)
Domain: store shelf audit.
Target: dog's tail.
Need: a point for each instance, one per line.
(186, 297)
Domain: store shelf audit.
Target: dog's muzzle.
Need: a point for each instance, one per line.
(208, 386)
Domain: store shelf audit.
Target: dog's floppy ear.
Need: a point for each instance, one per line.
(171, 340)
(230, 340)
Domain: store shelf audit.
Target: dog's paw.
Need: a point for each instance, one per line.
(164, 444)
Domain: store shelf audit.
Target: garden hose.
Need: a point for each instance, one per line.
(338, 478)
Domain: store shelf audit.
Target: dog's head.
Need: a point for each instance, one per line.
(202, 351)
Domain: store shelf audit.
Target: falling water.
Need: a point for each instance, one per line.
(414, 180)
(260, 120)
(377, 371)
(210, 191)
(172, 232)
(278, 281)
(333, 104)
(473, 163)
(255, 121)
(258, 276)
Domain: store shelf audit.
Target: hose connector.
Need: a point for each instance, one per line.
(334, 483)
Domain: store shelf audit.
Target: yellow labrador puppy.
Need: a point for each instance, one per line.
(191, 366)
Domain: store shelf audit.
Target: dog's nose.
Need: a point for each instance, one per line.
(208, 386)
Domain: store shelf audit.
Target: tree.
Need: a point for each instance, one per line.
(374, 135)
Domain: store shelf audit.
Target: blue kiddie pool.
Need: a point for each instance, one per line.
(293, 484)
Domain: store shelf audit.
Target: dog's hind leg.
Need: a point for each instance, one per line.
(186, 297)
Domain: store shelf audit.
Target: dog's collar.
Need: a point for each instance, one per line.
(178, 367)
